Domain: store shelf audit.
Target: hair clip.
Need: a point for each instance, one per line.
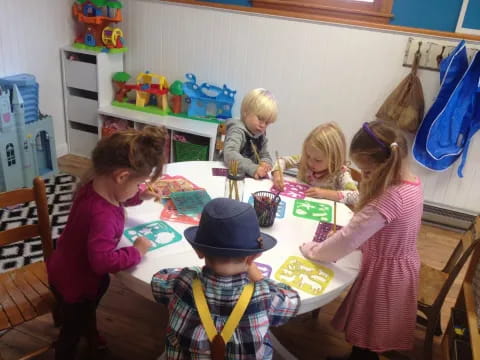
(393, 145)
(154, 169)
(374, 137)
(260, 242)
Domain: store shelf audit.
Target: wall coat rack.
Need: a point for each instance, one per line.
(432, 52)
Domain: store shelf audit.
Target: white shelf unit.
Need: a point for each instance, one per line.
(173, 123)
(87, 85)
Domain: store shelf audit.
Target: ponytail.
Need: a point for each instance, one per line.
(384, 146)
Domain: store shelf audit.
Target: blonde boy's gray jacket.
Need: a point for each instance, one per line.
(238, 145)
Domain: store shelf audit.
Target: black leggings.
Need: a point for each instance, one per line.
(77, 319)
(363, 354)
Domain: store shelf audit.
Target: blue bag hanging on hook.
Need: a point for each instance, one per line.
(452, 69)
(452, 130)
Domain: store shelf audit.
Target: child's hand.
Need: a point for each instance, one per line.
(307, 249)
(259, 173)
(147, 195)
(316, 192)
(278, 181)
(142, 244)
(253, 273)
(266, 166)
(262, 170)
(150, 192)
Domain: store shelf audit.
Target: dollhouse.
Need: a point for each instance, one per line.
(98, 32)
(207, 99)
(27, 143)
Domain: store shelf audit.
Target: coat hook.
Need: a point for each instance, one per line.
(419, 47)
(417, 56)
(440, 56)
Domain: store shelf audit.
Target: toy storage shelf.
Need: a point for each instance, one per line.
(173, 123)
(87, 86)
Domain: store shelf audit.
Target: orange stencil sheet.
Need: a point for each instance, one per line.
(170, 184)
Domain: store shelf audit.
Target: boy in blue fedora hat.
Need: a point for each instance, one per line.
(224, 310)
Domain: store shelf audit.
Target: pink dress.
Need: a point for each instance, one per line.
(379, 312)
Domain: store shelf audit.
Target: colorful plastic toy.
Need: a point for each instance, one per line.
(145, 88)
(203, 102)
(207, 99)
(176, 89)
(119, 81)
(97, 17)
(27, 141)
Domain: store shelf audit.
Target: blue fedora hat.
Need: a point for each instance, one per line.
(228, 228)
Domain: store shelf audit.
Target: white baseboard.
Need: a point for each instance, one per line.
(62, 149)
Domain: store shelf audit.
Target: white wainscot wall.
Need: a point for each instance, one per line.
(31, 35)
(319, 72)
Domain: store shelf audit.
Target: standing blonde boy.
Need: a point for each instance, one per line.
(246, 140)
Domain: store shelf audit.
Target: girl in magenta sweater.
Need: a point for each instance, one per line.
(86, 252)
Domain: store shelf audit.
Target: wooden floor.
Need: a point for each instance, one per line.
(134, 326)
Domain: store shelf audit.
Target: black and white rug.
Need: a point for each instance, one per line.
(59, 192)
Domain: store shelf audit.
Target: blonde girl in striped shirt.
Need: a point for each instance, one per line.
(379, 312)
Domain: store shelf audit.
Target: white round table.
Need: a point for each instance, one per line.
(290, 232)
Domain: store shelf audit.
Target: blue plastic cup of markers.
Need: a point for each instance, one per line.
(265, 204)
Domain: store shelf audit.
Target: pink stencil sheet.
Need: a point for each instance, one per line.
(292, 190)
(323, 229)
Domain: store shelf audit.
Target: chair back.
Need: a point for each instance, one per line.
(473, 245)
(356, 175)
(41, 228)
(221, 132)
(476, 227)
(466, 240)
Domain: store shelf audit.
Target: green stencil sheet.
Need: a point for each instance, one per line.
(158, 232)
(190, 202)
(312, 210)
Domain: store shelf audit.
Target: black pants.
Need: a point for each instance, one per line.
(77, 320)
(357, 354)
(363, 354)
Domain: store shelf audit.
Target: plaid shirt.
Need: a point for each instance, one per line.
(272, 304)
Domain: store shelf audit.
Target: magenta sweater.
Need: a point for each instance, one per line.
(87, 249)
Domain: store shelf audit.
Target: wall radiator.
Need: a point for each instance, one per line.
(447, 218)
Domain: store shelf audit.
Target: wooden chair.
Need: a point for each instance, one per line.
(356, 175)
(435, 285)
(24, 292)
(221, 132)
(219, 143)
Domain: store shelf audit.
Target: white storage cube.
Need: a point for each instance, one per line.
(81, 142)
(81, 75)
(82, 110)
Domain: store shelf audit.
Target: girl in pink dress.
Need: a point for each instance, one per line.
(86, 252)
(379, 312)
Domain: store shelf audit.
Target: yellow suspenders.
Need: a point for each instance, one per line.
(218, 341)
